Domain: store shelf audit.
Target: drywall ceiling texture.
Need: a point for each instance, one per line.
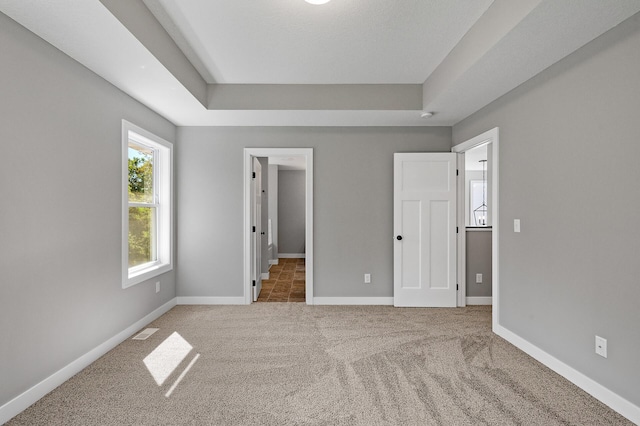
(399, 57)
(572, 272)
(342, 42)
(353, 203)
(60, 178)
(547, 33)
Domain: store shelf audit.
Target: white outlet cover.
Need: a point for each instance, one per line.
(478, 278)
(367, 278)
(516, 225)
(601, 346)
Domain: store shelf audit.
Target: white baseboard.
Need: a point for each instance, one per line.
(265, 275)
(291, 255)
(273, 261)
(595, 389)
(30, 396)
(211, 300)
(353, 301)
(479, 300)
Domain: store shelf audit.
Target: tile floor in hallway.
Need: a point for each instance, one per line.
(286, 282)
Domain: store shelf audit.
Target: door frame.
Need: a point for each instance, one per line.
(249, 154)
(490, 136)
(256, 221)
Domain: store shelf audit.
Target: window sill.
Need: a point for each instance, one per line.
(146, 274)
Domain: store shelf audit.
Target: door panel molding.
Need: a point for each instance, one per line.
(425, 198)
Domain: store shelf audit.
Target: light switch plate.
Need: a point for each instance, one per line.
(478, 278)
(516, 225)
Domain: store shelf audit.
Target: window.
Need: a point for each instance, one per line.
(146, 206)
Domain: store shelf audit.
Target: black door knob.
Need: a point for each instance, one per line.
(399, 237)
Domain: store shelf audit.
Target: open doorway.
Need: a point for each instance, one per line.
(478, 225)
(298, 161)
(478, 193)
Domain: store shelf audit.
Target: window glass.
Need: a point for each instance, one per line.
(147, 205)
(142, 235)
(140, 161)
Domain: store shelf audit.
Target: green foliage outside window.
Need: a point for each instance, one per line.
(141, 219)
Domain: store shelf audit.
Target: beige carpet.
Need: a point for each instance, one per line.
(292, 364)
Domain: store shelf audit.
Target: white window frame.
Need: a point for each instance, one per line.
(163, 201)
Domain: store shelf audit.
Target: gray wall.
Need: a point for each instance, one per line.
(478, 258)
(353, 203)
(60, 211)
(291, 208)
(569, 150)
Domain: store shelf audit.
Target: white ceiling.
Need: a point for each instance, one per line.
(341, 42)
(259, 63)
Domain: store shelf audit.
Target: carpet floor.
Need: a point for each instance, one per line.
(293, 364)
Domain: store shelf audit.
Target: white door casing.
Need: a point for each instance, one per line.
(490, 137)
(256, 222)
(249, 154)
(425, 229)
(461, 237)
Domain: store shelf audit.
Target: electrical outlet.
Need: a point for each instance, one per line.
(157, 286)
(516, 225)
(478, 278)
(367, 278)
(601, 346)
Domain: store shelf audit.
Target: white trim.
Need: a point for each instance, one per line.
(265, 275)
(291, 255)
(163, 200)
(273, 262)
(249, 153)
(353, 301)
(240, 300)
(461, 239)
(33, 394)
(595, 389)
(479, 300)
(493, 137)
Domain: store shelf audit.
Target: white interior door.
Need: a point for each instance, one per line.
(256, 222)
(425, 230)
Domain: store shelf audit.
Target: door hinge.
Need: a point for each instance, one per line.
(456, 229)
(253, 229)
(253, 175)
(456, 287)
(457, 172)
(253, 283)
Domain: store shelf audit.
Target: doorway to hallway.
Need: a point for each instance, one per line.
(284, 266)
(490, 139)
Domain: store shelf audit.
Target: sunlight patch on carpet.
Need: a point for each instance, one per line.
(167, 357)
(181, 376)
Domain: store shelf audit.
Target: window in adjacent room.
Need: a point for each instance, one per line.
(147, 200)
